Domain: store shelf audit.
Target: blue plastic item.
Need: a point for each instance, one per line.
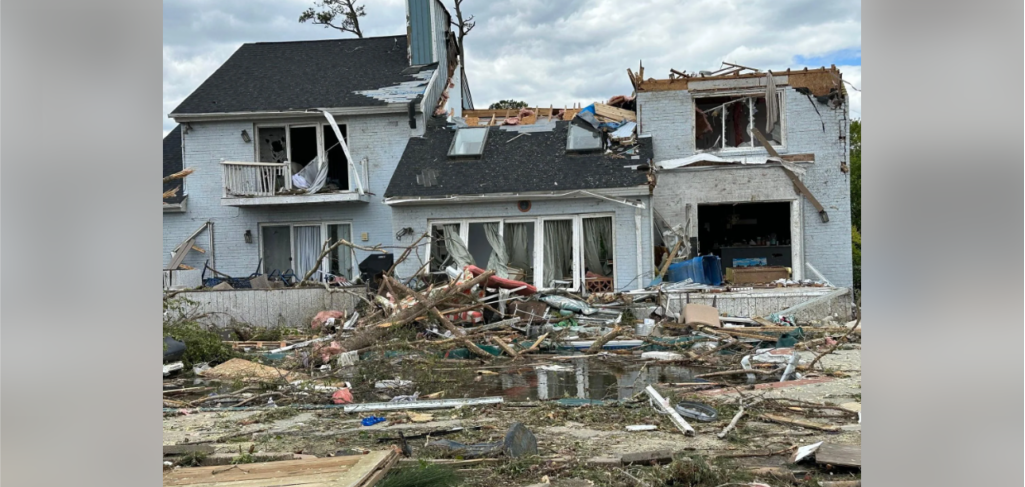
(372, 420)
(702, 270)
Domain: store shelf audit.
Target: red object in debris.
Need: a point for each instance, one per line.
(342, 396)
(495, 281)
(324, 316)
(466, 317)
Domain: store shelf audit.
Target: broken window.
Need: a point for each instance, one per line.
(519, 240)
(302, 144)
(558, 254)
(297, 246)
(582, 139)
(340, 259)
(723, 122)
(468, 142)
(746, 234)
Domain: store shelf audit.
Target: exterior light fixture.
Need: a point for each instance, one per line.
(245, 136)
(249, 235)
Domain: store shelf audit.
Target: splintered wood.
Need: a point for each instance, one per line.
(347, 471)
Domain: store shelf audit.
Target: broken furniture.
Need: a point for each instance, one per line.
(234, 282)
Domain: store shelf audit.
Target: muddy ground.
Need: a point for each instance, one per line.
(572, 440)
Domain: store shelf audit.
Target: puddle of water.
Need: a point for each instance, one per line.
(580, 379)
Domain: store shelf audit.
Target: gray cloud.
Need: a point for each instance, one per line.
(546, 53)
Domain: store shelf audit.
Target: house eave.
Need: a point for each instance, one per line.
(614, 194)
(265, 115)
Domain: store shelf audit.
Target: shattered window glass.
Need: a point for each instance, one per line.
(582, 139)
(468, 142)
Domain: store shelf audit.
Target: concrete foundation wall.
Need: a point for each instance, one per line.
(270, 307)
(762, 304)
(669, 117)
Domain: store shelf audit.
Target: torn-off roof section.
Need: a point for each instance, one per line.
(404, 92)
(819, 81)
(512, 162)
(295, 76)
(173, 162)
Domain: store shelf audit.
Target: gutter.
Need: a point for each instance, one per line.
(342, 111)
(427, 200)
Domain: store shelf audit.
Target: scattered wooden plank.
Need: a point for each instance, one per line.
(617, 114)
(839, 455)
(803, 424)
(348, 471)
(663, 405)
(647, 457)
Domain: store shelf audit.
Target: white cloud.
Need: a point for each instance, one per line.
(545, 53)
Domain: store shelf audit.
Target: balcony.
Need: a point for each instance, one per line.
(270, 183)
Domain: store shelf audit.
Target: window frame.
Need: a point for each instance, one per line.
(455, 139)
(325, 262)
(584, 150)
(321, 152)
(538, 250)
(753, 145)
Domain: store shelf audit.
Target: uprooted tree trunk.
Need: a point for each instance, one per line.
(433, 310)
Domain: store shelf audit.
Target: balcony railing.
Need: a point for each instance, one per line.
(248, 179)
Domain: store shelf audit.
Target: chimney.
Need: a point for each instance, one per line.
(423, 31)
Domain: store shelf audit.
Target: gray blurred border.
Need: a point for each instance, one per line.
(80, 295)
(81, 311)
(941, 188)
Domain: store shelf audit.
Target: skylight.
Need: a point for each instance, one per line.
(468, 142)
(582, 139)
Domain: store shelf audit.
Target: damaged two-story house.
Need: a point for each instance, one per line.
(293, 144)
(753, 168)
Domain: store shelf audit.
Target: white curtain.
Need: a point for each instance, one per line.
(558, 249)
(307, 248)
(456, 247)
(598, 245)
(499, 260)
(341, 260)
(519, 246)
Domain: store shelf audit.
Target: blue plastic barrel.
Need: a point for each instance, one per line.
(702, 270)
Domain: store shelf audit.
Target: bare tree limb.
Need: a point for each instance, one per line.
(347, 10)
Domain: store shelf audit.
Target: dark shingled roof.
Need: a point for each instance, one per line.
(280, 76)
(173, 162)
(534, 162)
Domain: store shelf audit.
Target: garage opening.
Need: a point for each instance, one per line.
(746, 234)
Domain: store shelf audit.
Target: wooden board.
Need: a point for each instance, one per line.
(349, 471)
(242, 369)
(839, 455)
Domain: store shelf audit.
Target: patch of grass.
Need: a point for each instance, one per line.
(202, 343)
(423, 475)
(192, 459)
(695, 471)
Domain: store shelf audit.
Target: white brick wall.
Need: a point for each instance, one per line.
(380, 138)
(669, 117)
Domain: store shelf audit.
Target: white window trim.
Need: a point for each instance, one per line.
(578, 241)
(755, 147)
(321, 127)
(323, 237)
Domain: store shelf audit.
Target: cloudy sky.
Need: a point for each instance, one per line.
(546, 52)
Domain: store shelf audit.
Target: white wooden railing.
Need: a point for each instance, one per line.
(256, 178)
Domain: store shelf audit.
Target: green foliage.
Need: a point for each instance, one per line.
(423, 475)
(508, 105)
(343, 15)
(192, 459)
(856, 254)
(202, 344)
